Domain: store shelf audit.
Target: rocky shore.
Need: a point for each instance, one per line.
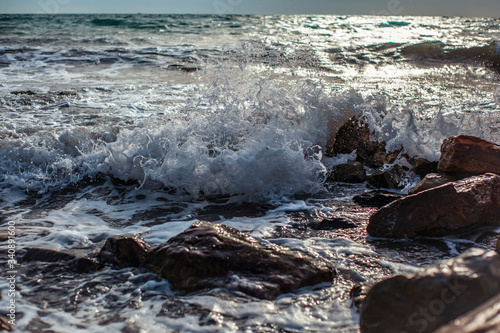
(458, 196)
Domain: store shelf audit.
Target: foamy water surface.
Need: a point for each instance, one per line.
(144, 124)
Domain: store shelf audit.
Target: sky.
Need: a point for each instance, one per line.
(487, 8)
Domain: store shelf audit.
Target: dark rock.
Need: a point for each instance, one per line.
(389, 178)
(183, 68)
(458, 207)
(348, 173)
(216, 212)
(209, 255)
(46, 255)
(355, 135)
(124, 251)
(483, 319)
(334, 224)
(431, 180)
(469, 155)
(433, 296)
(78, 264)
(423, 167)
(358, 294)
(376, 198)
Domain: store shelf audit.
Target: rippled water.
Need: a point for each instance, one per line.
(143, 124)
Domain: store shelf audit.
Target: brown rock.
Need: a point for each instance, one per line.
(433, 296)
(483, 319)
(348, 173)
(210, 255)
(389, 178)
(431, 180)
(124, 251)
(5, 324)
(453, 208)
(355, 135)
(470, 155)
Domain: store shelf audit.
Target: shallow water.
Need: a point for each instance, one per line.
(143, 124)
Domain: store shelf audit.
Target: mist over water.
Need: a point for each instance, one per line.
(143, 124)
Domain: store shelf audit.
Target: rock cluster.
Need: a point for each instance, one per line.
(440, 205)
(371, 156)
(461, 294)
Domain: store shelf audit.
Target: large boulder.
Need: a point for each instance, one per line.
(210, 255)
(433, 296)
(469, 155)
(355, 135)
(453, 208)
(483, 319)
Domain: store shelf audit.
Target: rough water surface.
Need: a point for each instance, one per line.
(144, 124)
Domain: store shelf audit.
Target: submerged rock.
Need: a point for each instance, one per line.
(124, 251)
(483, 319)
(469, 155)
(209, 255)
(431, 180)
(348, 173)
(457, 207)
(376, 198)
(433, 296)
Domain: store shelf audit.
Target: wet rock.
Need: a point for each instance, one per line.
(389, 178)
(183, 68)
(124, 251)
(334, 223)
(469, 155)
(376, 198)
(483, 319)
(78, 264)
(216, 212)
(209, 255)
(5, 324)
(423, 167)
(355, 135)
(433, 296)
(458, 207)
(46, 255)
(431, 180)
(348, 173)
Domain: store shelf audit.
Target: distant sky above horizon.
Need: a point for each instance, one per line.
(484, 8)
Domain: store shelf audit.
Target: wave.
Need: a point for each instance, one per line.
(436, 50)
(246, 135)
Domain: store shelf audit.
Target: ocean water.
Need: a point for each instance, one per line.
(144, 124)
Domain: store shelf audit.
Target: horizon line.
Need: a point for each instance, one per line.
(254, 14)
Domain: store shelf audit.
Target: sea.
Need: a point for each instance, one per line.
(144, 124)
